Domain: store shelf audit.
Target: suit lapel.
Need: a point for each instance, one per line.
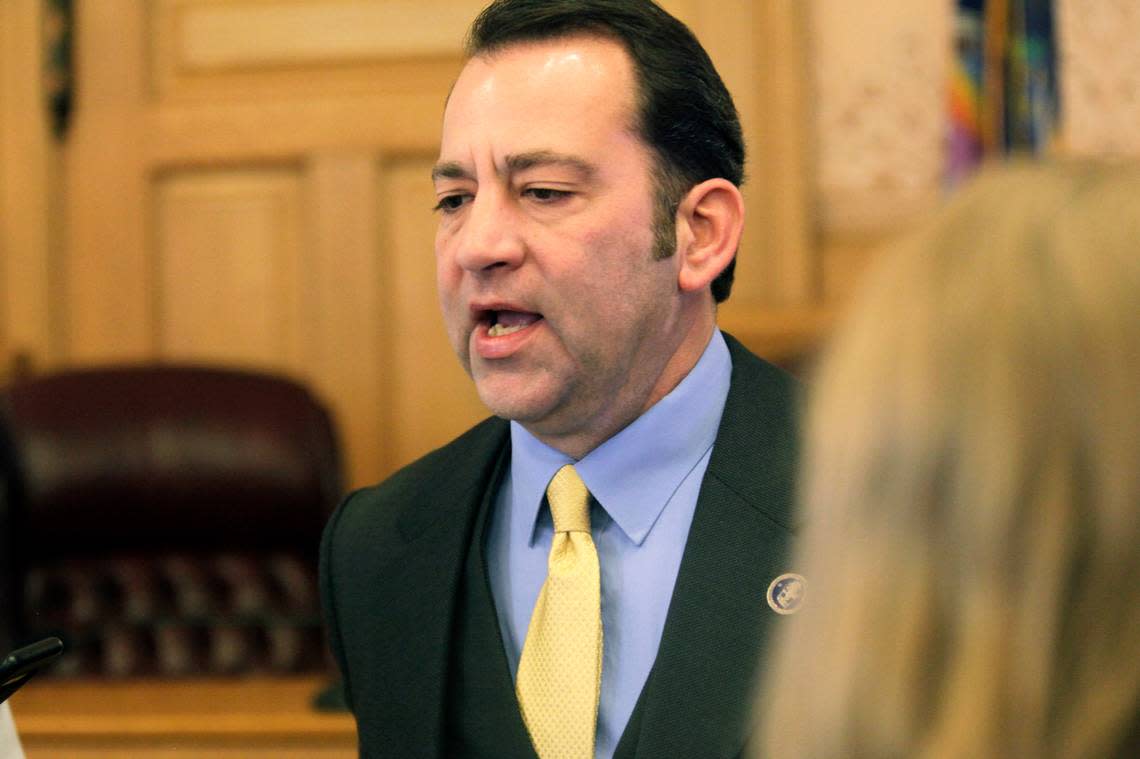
(406, 633)
(697, 700)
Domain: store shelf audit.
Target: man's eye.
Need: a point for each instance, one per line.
(546, 194)
(451, 203)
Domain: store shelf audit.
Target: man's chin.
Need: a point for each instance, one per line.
(521, 405)
(515, 411)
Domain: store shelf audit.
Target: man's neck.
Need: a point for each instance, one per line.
(633, 401)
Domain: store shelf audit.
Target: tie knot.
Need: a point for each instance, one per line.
(569, 501)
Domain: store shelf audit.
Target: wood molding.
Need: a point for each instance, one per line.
(28, 192)
(283, 130)
(783, 214)
(107, 273)
(206, 50)
(347, 357)
(256, 34)
(189, 719)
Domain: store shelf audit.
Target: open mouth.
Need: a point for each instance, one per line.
(508, 322)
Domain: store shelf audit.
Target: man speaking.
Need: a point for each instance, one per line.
(584, 574)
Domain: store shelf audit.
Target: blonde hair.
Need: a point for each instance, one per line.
(970, 488)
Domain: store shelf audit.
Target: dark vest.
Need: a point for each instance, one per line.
(482, 712)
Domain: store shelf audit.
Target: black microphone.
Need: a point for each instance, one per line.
(19, 666)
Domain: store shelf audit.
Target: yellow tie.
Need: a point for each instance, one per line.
(560, 671)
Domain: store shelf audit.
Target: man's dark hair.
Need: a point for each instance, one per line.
(686, 115)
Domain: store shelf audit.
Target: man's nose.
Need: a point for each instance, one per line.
(491, 236)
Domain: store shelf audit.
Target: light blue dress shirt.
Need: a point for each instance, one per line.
(646, 479)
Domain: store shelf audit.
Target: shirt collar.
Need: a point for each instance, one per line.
(634, 473)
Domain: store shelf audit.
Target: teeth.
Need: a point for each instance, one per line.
(498, 330)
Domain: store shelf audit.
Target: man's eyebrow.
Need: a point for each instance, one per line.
(449, 170)
(520, 162)
(524, 161)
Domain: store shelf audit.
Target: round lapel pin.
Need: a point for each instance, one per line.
(786, 593)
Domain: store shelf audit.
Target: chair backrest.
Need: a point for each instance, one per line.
(165, 519)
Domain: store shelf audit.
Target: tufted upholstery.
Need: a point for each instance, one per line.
(165, 519)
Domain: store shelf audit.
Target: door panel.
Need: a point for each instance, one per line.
(230, 266)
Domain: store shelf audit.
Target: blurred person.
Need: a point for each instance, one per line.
(970, 489)
(588, 189)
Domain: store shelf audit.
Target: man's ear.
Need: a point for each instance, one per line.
(710, 219)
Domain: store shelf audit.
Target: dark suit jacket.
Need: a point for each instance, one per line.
(392, 558)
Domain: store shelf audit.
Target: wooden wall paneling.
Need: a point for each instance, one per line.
(725, 31)
(325, 32)
(292, 48)
(348, 358)
(28, 190)
(782, 147)
(279, 129)
(106, 269)
(431, 398)
(759, 47)
(229, 267)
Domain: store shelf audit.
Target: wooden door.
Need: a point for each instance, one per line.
(247, 183)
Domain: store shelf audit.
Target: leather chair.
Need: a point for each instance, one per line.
(164, 520)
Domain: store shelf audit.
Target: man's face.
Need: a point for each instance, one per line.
(549, 288)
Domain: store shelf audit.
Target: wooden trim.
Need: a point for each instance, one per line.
(782, 214)
(347, 305)
(181, 134)
(142, 715)
(258, 34)
(108, 299)
(28, 187)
